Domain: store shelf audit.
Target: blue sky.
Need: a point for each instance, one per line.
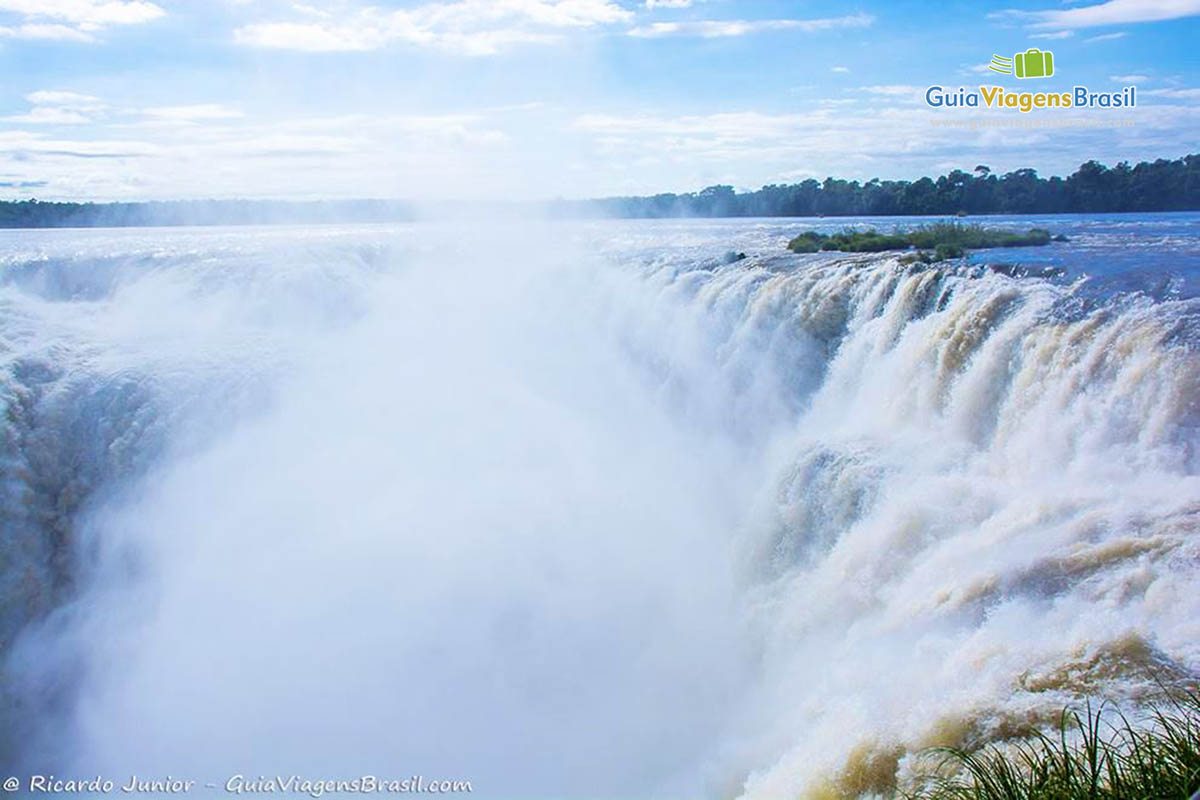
(139, 99)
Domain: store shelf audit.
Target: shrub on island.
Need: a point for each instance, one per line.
(946, 239)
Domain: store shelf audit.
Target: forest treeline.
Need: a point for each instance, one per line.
(1162, 185)
(35, 214)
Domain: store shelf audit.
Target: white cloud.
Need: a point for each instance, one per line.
(317, 38)
(306, 9)
(52, 107)
(711, 29)
(668, 3)
(202, 111)
(201, 150)
(49, 116)
(309, 37)
(1129, 78)
(1053, 35)
(893, 90)
(471, 27)
(851, 141)
(50, 97)
(740, 126)
(290, 144)
(1174, 94)
(1113, 12)
(86, 12)
(73, 20)
(1106, 37)
(37, 144)
(839, 69)
(444, 154)
(49, 31)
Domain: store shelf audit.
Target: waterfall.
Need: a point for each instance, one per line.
(587, 518)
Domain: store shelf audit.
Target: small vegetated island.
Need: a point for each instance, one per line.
(928, 243)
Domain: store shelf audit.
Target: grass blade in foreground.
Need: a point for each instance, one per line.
(1096, 755)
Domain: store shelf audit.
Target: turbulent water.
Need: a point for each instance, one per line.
(583, 510)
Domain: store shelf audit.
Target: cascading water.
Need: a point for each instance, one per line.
(604, 518)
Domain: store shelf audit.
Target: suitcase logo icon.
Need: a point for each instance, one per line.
(1033, 63)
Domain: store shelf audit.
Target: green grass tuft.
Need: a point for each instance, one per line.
(1095, 755)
